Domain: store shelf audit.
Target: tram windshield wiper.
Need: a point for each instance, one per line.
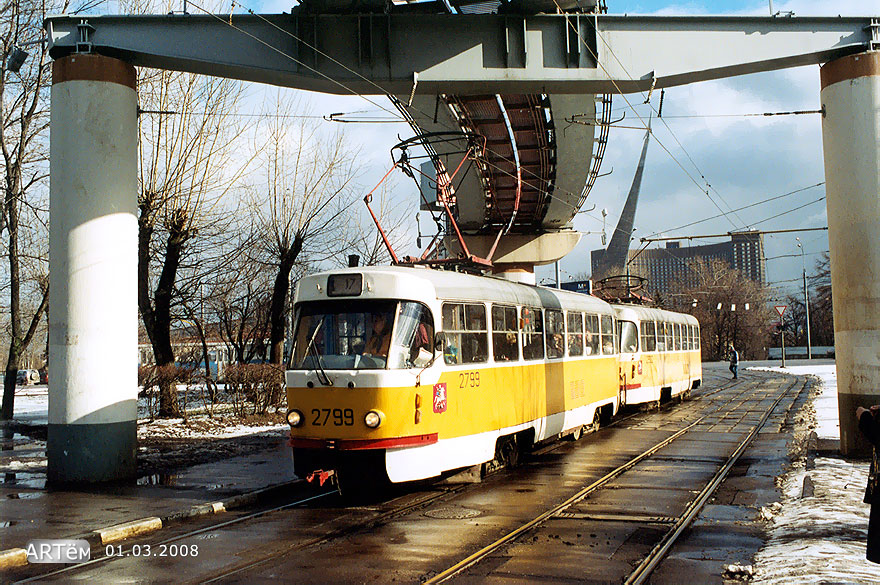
(323, 378)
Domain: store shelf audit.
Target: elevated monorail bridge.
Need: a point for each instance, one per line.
(511, 76)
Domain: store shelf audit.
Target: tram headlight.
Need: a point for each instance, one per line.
(294, 418)
(373, 419)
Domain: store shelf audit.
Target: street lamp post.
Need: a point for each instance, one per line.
(806, 300)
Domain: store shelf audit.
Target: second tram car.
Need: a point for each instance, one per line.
(659, 354)
(405, 373)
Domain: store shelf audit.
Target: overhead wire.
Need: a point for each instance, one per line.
(693, 223)
(382, 91)
(820, 199)
(537, 188)
(647, 101)
(397, 116)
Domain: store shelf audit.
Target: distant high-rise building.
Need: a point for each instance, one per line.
(670, 266)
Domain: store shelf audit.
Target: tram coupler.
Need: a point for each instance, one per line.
(322, 477)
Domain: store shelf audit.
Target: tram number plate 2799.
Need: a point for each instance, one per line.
(336, 416)
(468, 379)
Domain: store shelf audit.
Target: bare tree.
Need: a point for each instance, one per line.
(188, 161)
(23, 210)
(821, 312)
(306, 188)
(721, 295)
(241, 303)
(362, 237)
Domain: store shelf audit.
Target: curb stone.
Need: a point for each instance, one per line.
(17, 557)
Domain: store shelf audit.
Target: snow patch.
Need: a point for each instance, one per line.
(818, 538)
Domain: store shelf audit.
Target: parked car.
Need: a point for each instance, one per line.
(27, 377)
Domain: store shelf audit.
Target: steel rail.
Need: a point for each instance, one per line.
(579, 496)
(390, 514)
(383, 517)
(658, 553)
(485, 551)
(190, 534)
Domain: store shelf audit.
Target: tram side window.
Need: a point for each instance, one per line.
(533, 334)
(575, 333)
(697, 336)
(505, 338)
(607, 334)
(676, 328)
(649, 337)
(591, 344)
(555, 334)
(467, 339)
(629, 336)
(661, 336)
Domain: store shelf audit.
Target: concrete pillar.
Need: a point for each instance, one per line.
(851, 141)
(93, 276)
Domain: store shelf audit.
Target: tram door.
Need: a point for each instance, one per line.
(630, 362)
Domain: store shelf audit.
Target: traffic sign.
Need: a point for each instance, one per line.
(780, 309)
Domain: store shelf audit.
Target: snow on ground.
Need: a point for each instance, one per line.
(32, 407)
(819, 538)
(203, 427)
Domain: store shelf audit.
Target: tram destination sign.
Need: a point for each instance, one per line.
(345, 285)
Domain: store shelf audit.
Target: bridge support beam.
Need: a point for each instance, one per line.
(93, 278)
(851, 142)
(517, 255)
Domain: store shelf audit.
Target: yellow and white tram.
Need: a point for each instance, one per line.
(659, 354)
(412, 372)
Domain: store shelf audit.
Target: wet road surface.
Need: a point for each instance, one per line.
(418, 535)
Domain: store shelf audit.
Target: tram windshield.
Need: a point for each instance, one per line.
(362, 335)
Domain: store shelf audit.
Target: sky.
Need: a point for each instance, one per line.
(702, 144)
(745, 160)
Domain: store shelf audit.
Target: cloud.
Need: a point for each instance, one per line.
(703, 143)
(745, 159)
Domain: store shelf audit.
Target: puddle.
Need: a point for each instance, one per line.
(452, 513)
(25, 495)
(18, 441)
(158, 479)
(28, 480)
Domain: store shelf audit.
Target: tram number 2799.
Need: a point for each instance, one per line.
(468, 379)
(341, 417)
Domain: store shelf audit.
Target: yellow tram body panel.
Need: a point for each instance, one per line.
(662, 369)
(477, 400)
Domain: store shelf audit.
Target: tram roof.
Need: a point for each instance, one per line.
(640, 313)
(425, 284)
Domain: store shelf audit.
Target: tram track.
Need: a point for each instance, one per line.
(141, 543)
(189, 534)
(680, 524)
(325, 525)
(431, 498)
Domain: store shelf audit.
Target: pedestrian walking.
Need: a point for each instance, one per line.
(734, 360)
(870, 427)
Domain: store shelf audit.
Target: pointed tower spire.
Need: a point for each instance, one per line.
(616, 254)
